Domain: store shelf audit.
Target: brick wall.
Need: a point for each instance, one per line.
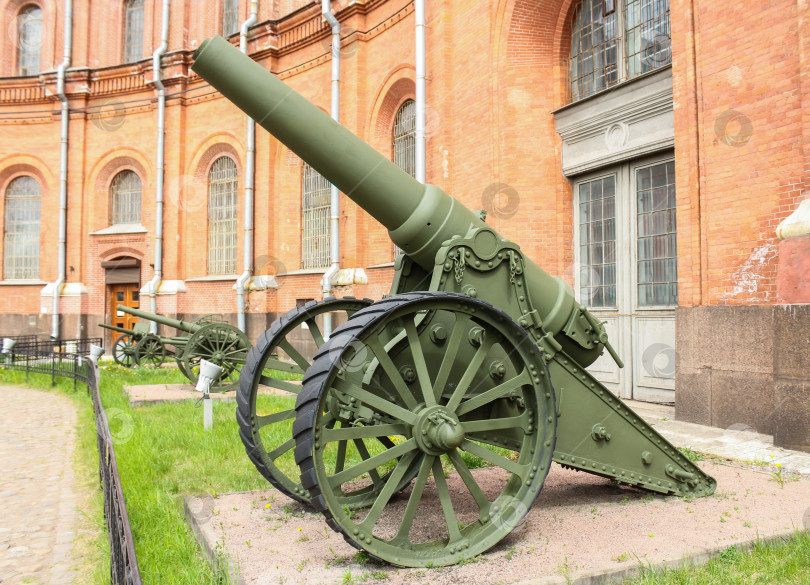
(496, 72)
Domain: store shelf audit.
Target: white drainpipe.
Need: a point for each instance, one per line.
(63, 167)
(154, 284)
(334, 214)
(419, 9)
(243, 281)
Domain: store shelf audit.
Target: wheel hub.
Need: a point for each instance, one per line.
(438, 431)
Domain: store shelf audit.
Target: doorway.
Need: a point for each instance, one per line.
(626, 249)
(129, 296)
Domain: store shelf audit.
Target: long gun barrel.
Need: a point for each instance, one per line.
(116, 328)
(419, 217)
(176, 323)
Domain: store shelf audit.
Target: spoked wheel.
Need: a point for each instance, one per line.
(150, 351)
(450, 383)
(272, 366)
(222, 344)
(123, 351)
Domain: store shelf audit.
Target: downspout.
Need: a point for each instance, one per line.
(334, 214)
(250, 161)
(419, 13)
(63, 167)
(154, 284)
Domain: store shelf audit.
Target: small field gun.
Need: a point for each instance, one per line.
(206, 338)
(477, 359)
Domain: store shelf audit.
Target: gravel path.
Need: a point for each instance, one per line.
(580, 526)
(39, 519)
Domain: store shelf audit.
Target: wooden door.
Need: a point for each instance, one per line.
(123, 294)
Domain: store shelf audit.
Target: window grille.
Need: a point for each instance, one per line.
(222, 187)
(29, 40)
(230, 13)
(657, 236)
(405, 142)
(405, 137)
(597, 242)
(133, 30)
(21, 242)
(593, 63)
(616, 40)
(125, 195)
(647, 41)
(315, 205)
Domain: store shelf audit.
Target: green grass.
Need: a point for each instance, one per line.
(167, 457)
(777, 563)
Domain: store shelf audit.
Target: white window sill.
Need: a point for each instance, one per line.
(22, 283)
(121, 228)
(304, 271)
(384, 265)
(213, 278)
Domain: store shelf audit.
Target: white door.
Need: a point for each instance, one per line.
(625, 235)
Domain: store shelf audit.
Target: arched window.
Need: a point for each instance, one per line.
(230, 13)
(29, 40)
(125, 198)
(21, 242)
(133, 30)
(616, 40)
(405, 137)
(315, 205)
(222, 187)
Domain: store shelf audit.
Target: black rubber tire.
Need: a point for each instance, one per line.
(266, 342)
(315, 378)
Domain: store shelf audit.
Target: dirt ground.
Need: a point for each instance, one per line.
(581, 524)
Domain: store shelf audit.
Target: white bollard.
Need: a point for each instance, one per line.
(209, 372)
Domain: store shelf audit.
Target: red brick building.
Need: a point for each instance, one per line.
(645, 151)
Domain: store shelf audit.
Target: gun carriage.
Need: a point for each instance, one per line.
(123, 349)
(478, 356)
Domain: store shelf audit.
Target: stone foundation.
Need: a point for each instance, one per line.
(746, 366)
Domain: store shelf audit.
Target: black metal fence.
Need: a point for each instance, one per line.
(73, 365)
(123, 562)
(61, 346)
(20, 338)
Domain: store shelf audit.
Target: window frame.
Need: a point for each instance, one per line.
(322, 258)
(112, 214)
(6, 256)
(626, 213)
(628, 66)
(129, 55)
(224, 262)
(229, 6)
(22, 52)
(409, 136)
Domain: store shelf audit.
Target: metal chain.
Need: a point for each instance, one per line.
(513, 266)
(460, 263)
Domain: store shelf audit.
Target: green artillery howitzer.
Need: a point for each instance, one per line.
(206, 338)
(477, 358)
(139, 347)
